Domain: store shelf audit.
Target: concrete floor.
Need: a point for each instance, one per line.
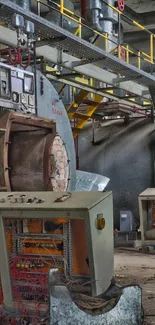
(137, 268)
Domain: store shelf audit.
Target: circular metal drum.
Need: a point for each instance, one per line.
(50, 106)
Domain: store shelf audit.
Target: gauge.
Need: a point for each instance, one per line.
(28, 84)
(5, 82)
(31, 100)
(24, 99)
(15, 97)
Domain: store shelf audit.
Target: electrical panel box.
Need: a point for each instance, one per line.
(147, 216)
(72, 232)
(126, 221)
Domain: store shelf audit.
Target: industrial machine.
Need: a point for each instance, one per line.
(50, 241)
(18, 96)
(147, 217)
(56, 246)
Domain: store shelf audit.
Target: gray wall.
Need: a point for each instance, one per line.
(123, 154)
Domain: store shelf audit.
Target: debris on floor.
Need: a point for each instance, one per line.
(137, 268)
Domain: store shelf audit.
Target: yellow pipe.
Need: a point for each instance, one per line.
(76, 31)
(147, 60)
(139, 61)
(106, 42)
(74, 19)
(61, 6)
(128, 49)
(151, 47)
(74, 91)
(98, 33)
(117, 10)
(69, 11)
(119, 52)
(80, 28)
(91, 85)
(127, 54)
(138, 25)
(147, 55)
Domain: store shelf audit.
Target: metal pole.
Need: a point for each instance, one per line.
(38, 8)
(84, 9)
(119, 36)
(35, 78)
(151, 47)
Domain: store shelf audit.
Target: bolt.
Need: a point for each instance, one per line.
(40, 201)
(30, 201)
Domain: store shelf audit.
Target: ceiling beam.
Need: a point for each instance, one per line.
(145, 18)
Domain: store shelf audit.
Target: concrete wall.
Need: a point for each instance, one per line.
(123, 154)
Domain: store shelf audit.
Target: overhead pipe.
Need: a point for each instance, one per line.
(84, 9)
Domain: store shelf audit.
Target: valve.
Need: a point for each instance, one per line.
(121, 5)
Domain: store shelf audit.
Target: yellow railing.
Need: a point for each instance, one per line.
(128, 50)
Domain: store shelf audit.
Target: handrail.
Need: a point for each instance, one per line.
(141, 55)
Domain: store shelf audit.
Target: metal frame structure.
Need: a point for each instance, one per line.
(63, 40)
(8, 37)
(89, 206)
(65, 12)
(88, 59)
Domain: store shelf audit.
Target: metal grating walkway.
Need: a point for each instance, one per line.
(61, 39)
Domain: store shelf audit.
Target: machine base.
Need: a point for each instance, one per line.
(127, 310)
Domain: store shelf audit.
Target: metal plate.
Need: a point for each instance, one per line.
(62, 39)
(128, 310)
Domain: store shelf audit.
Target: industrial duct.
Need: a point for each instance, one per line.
(96, 8)
(55, 16)
(25, 4)
(103, 17)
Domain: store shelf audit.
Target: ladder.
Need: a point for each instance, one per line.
(79, 117)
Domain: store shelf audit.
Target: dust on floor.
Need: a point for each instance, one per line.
(137, 268)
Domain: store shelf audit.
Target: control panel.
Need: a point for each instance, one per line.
(16, 89)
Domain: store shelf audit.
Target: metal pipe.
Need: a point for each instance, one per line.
(84, 9)
(96, 20)
(96, 7)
